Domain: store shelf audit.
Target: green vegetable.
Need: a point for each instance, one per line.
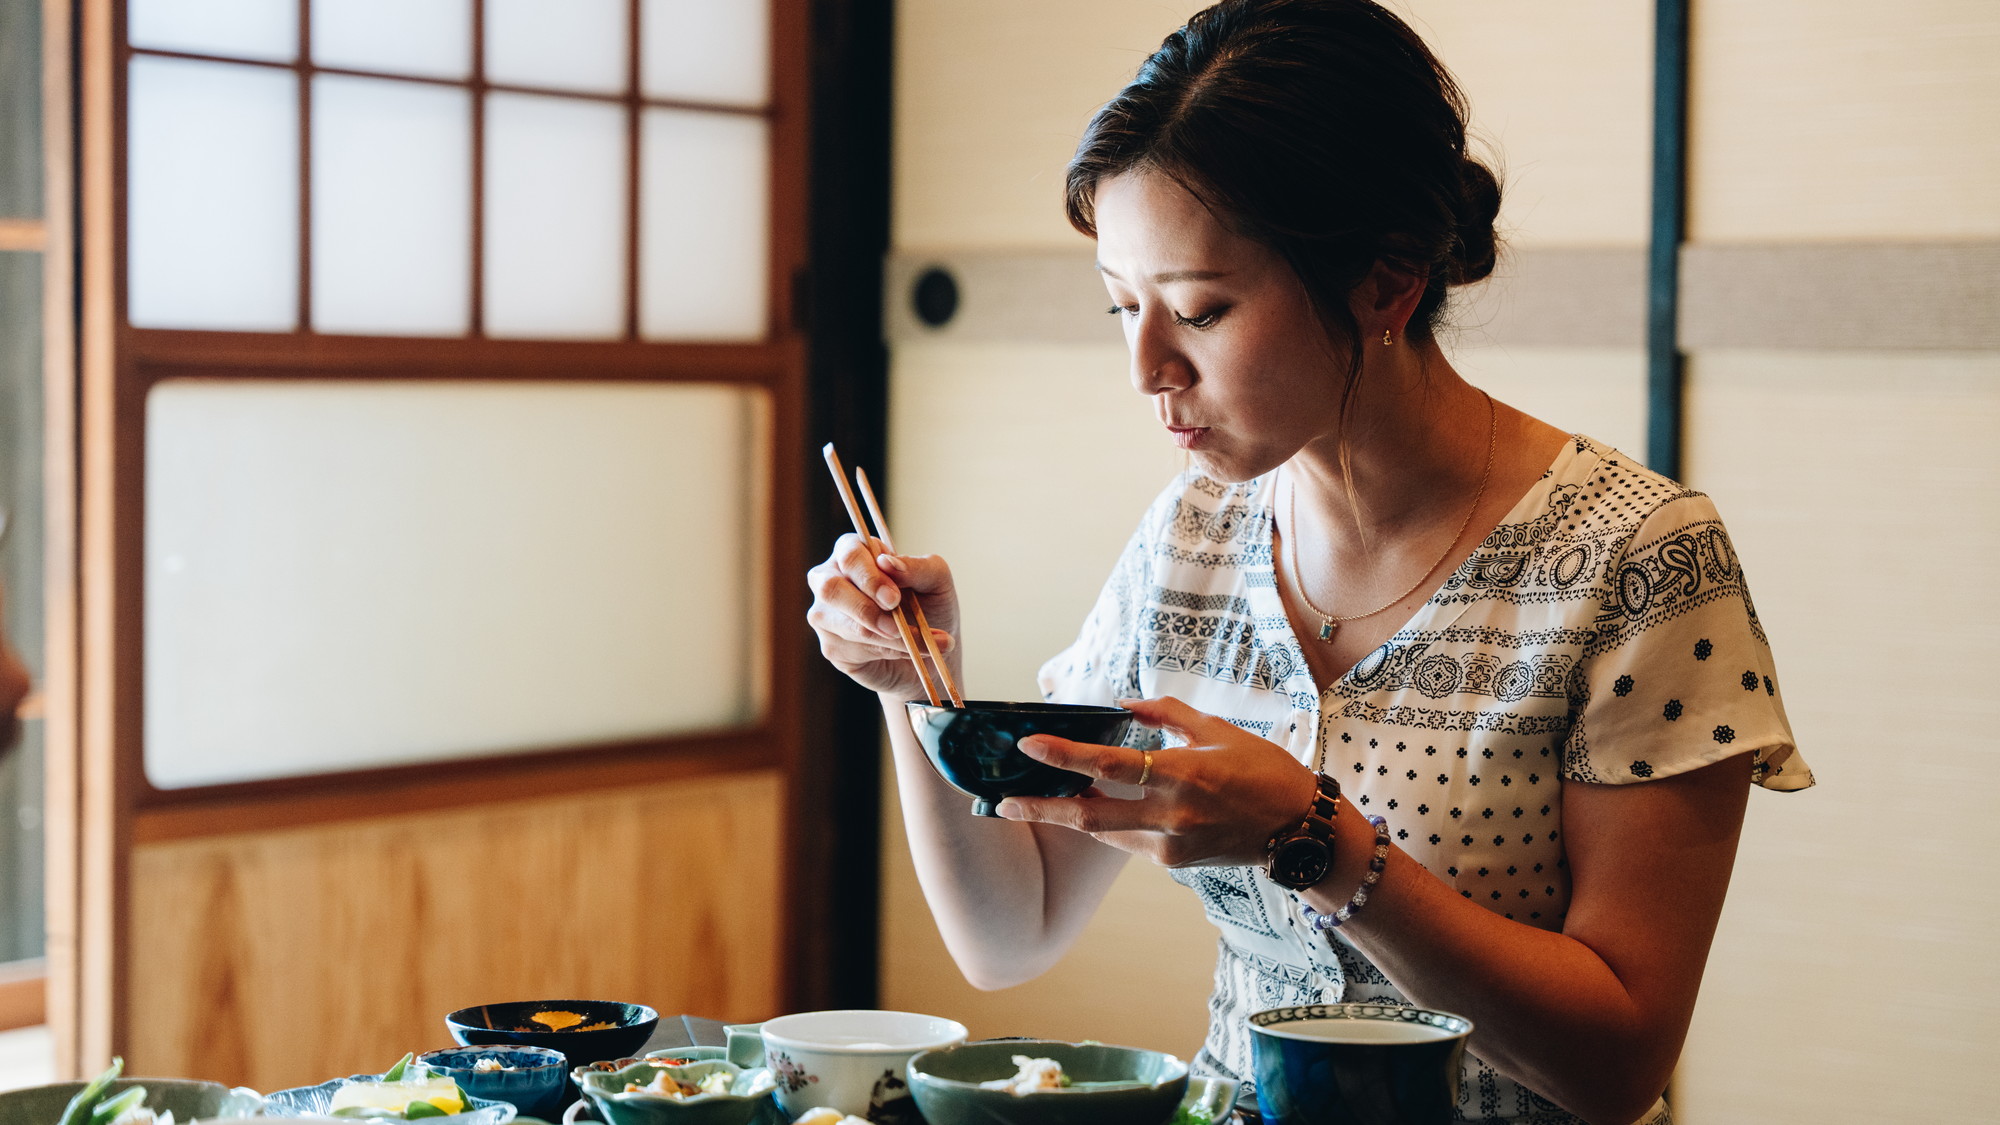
(395, 1073)
(421, 1109)
(1192, 1115)
(112, 1108)
(79, 1109)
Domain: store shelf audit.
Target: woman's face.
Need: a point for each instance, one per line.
(1223, 337)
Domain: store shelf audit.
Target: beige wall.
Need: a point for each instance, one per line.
(1853, 978)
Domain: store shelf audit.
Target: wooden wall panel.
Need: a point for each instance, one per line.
(276, 959)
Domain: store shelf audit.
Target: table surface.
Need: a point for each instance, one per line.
(700, 1031)
(686, 1031)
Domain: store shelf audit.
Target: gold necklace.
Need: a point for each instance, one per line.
(1328, 623)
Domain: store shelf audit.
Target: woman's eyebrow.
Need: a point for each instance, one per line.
(1172, 275)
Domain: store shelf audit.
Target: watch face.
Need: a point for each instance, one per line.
(1300, 862)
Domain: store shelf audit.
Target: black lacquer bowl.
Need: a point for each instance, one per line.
(607, 1029)
(974, 747)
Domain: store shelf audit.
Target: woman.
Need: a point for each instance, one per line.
(1532, 659)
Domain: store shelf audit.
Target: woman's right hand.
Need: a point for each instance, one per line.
(854, 591)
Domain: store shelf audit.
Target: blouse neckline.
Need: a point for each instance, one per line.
(1275, 625)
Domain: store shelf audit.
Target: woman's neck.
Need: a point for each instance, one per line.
(1417, 443)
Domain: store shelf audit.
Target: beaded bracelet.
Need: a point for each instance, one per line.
(1376, 863)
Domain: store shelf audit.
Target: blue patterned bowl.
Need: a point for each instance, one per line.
(536, 1080)
(974, 747)
(1364, 1064)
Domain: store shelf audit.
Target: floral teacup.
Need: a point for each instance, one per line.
(851, 1061)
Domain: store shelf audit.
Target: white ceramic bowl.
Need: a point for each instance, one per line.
(852, 1060)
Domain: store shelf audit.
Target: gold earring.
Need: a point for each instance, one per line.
(1387, 339)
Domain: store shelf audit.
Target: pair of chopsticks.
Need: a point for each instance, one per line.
(923, 627)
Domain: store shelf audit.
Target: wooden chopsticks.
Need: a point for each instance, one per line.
(903, 626)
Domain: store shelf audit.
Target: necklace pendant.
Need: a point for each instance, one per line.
(1326, 628)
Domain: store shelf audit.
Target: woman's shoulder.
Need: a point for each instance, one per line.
(1595, 491)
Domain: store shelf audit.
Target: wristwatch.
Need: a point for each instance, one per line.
(1301, 857)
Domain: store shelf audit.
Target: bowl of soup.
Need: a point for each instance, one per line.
(1358, 1063)
(976, 748)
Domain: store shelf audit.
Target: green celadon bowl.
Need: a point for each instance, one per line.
(749, 1101)
(1108, 1085)
(186, 1098)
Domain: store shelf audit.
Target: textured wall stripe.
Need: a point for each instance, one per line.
(1902, 296)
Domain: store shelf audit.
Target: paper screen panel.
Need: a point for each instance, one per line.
(347, 575)
(699, 50)
(431, 38)
(244, 29)
(392, 215)
(559, 44)
(555, 217)
(213, 199)
(704, 228)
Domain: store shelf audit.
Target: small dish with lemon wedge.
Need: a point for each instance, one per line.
(405, 1092)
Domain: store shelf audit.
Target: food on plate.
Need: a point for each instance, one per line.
(678, 1078)
(821, 1115)
(1032, 1077)
(565, 1021)
(666, 1085)
(489, 1065)
(95, 1104)
(1192, 1115)
(404, 1091)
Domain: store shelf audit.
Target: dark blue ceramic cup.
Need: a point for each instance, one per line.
(1357, 1064)
(974, 747)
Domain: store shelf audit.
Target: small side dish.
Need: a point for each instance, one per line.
(667, 1086)
(405, 1092)
(1030, 1076)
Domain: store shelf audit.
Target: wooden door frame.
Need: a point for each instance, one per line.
(825, 366)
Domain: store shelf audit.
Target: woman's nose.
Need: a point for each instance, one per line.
(1157, 366)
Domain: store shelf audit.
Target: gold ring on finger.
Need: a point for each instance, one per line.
(1146, 767)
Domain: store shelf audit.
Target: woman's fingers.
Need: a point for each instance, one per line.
(928, 575)
(857, 559)
(1106, 763)
(1169, 714)
(1094, 815)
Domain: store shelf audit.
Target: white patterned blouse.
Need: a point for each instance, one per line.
(1602, 633)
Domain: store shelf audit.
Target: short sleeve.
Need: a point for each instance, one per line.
(1102, 665)
(1680, 673)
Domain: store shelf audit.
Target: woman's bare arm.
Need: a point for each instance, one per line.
(1009, 899)
(1593, 1017)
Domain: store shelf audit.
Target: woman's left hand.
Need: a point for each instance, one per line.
(1215, 801)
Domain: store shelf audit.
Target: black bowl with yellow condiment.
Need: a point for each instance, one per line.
(585, 1031)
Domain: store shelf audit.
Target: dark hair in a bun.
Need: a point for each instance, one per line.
(1324, 129)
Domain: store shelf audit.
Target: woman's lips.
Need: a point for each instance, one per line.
(1188, 437)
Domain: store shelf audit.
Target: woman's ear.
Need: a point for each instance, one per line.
(1386, 299)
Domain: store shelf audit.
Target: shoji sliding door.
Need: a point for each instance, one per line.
(438, 424)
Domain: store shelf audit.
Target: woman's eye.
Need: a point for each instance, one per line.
(1205, 320)
(1129, 310)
